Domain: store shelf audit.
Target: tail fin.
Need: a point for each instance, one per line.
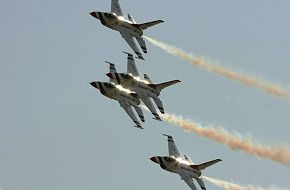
(131, 18)
(146, 25)
(146, 77)
(163, 85)
(206, 164)
(188, 159)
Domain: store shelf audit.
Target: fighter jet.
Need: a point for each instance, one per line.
(182, 165)
(125, 97)
(143, 87)
(127, 28)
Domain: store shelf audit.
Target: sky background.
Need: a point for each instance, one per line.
(57, 132)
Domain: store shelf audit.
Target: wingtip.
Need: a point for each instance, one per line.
(109, 63)
(166, 135)
(127, 53)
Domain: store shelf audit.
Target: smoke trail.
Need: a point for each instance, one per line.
(233, 186)
(279, 154)
(209, 66)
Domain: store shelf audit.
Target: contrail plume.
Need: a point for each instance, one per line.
(207, 65)
(279, 154)
(233, 186)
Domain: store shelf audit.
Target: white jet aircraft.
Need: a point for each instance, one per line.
(125, 97)
(127, 28)
(182, 165)
(144, 88)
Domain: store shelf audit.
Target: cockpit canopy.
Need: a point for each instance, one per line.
(169, 159)
(110, 15)
(126, 76)
(109, 85)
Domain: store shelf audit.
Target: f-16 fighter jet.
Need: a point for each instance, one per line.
(125, 97)
(182, 165)
(127, 28)
(144, 88)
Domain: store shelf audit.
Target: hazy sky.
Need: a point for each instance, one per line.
(57, 132)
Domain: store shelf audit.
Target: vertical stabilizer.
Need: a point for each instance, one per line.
(131, 18)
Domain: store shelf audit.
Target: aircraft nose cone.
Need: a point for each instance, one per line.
(153, 159)
(94, 14)
(110, 75)
(94, 84)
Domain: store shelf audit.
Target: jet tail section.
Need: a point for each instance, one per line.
(206, 164)
(146, 77)
(163, 85)
(131, 18)
(188, 159)
(146, 25)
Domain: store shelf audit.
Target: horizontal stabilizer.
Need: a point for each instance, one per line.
(163, 85)
(146, 25)
(206, 164)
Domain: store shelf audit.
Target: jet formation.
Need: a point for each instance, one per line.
(130, 90)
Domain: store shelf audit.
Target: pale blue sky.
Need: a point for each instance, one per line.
(57, 132)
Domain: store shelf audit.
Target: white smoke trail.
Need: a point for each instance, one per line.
(233, 186)
(280, 154)
(207, 65)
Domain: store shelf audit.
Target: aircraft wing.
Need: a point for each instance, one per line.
(188, 181)
(129, 39)
(116, 8)
(128, 109)
(173, 151)
(131, 67)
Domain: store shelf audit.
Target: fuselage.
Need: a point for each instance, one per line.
(119, 23)
(117, 92)
(177, 165)
(136, 84)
